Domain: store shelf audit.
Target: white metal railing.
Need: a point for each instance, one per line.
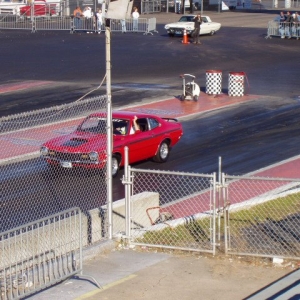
(39, 254)
(283, 30)
(59, 22)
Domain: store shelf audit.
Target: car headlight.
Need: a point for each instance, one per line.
(44, 151)
(167, 27)
(93, 156)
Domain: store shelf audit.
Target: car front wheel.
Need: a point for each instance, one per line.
(115, 164)
(212, 32)
(163, 152)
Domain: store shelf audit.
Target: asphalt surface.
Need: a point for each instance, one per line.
(144, 67)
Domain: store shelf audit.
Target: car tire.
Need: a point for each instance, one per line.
(115, 164)
(212, 32)
(195, 98)
(163, 152)
(182, 97)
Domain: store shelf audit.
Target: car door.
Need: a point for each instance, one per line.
(204, 28)
(141, 145)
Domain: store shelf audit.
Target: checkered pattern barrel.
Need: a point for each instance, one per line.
(213, 82)
(236, 83)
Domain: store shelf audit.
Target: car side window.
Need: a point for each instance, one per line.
(143, 124)
(120, 127)
(153, 123)
(204, 20)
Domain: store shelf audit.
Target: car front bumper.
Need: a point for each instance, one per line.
(178, 31)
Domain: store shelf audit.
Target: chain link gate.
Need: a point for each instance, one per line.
(261, 216)
(173, 210)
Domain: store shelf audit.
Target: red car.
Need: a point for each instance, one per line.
(40, 8)
(148, 136)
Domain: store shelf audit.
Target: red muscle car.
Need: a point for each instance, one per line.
(151, 137)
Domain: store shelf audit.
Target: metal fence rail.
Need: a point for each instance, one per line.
(66, 23)
(261, 216)
(40, 254)
(181, 217)
(283, 30)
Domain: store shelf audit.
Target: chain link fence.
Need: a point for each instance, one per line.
(255, 216)
(30, 188)
(261, 216)
(179, 213)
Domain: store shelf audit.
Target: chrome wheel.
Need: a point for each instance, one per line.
(115, 166)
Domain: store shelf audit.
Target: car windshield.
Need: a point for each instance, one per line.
(186, 19)
(93, 125)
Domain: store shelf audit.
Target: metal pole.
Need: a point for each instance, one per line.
(109, 131)
(220, 189)
(220, 169)
(127, 193)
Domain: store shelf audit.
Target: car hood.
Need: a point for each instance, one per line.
(78, 142)
(181, 24)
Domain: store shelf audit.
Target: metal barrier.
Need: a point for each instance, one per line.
(261, 216)
(283, 30)
(151, 26)
(73, 24)
(40, 254)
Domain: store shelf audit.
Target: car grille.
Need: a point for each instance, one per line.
(71, 157)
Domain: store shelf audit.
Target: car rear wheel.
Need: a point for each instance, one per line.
(212, 32)
(163, 152)
(115, 164)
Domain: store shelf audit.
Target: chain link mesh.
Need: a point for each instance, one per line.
(181, 215)
(262, 216)
(30, 188)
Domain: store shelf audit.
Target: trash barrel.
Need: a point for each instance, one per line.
(236, 83)
(213, 82)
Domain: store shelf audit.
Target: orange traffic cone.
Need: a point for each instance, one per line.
(185, 38)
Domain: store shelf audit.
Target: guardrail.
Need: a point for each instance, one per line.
(40, 254)
(283, 30)
(67, 23)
